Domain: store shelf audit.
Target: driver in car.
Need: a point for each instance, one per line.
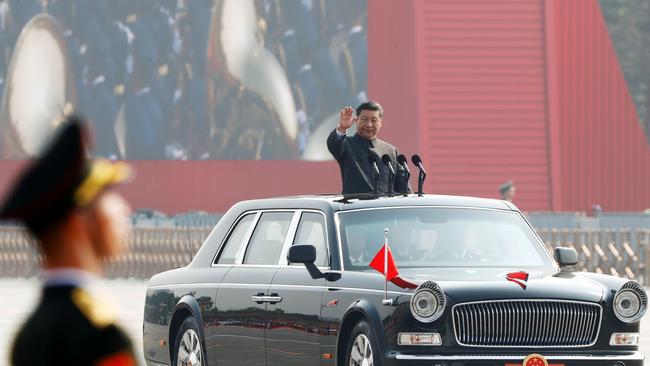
(460, 244)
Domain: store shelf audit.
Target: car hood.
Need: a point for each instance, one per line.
(478, 284)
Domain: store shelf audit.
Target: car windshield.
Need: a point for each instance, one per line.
(441, 237)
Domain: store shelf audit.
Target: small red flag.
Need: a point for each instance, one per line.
(378, 261)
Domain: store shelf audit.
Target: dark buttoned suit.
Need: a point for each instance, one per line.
(352, 152)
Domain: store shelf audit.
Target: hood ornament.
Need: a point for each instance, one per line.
(520, 278)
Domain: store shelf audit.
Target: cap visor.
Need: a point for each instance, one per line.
(103, 174)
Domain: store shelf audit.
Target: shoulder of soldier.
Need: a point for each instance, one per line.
(99, 314)
(110, 346)
(73, 326)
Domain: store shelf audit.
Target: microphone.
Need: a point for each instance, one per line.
(401, 160)
(372, 159)
(417, 161)
(391, 171)
(386, 160)
(404, 175)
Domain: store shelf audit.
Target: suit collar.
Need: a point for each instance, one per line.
(363, 140)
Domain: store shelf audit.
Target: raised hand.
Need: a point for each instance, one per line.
(346, 118)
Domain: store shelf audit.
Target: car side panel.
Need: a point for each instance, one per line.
(161, 301)
(242, 322)
(360, 293)
(293, 334)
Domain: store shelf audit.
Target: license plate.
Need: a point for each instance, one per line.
(534, 360)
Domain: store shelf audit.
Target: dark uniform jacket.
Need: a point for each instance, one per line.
(70, 328)
(352, 154)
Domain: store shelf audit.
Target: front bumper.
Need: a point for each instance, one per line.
(631, 359)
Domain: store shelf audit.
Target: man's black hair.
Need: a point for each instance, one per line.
(370, 105)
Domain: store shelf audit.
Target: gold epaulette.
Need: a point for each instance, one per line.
(98, 313)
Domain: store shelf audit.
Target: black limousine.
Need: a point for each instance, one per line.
(287, 281)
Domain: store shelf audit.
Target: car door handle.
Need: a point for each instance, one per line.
(273, 299)
(259, 298)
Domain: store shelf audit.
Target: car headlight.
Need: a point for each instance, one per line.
(630, 302)
(428, 302)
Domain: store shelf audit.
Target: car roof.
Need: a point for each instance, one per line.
(338, 202)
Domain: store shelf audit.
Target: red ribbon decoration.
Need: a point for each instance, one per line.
(520, 278)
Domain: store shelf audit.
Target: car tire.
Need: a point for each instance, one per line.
(362, 349)
(188, 346)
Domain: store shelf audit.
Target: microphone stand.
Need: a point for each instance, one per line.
(404, 175)
(421, 177)
(391, 172)
(391, 177)
(375, 179)
(417, 161)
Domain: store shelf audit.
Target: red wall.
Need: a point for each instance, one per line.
(482, 97)
(599, 152)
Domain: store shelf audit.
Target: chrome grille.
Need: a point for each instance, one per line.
(527, 323)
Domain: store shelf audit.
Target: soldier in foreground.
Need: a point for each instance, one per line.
(65, 200)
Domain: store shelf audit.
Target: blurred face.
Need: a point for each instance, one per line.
(510, 194)
(110, 227)
(368, 124)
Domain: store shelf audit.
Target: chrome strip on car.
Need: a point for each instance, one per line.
(571, 326)
(285, 249)
(329, 288)
(506, 209)
(230, 229)
(636, 356)
(338, 239)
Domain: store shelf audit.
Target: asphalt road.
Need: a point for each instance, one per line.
(18, 297)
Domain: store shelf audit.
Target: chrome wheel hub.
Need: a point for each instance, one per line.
(361, 353)
(189, 350)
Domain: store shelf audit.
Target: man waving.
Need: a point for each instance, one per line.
(353, 152)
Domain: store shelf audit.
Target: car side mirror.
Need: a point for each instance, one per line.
(306, 254)
(566, 256)
(302, 254)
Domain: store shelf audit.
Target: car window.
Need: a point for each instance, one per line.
(311, 230)
(442, 237)
(268, 238)
(235, 240)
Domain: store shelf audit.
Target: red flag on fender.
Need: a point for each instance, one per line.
(378, 261)
(377, 264)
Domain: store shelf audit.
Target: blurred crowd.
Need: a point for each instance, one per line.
(144, 64)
